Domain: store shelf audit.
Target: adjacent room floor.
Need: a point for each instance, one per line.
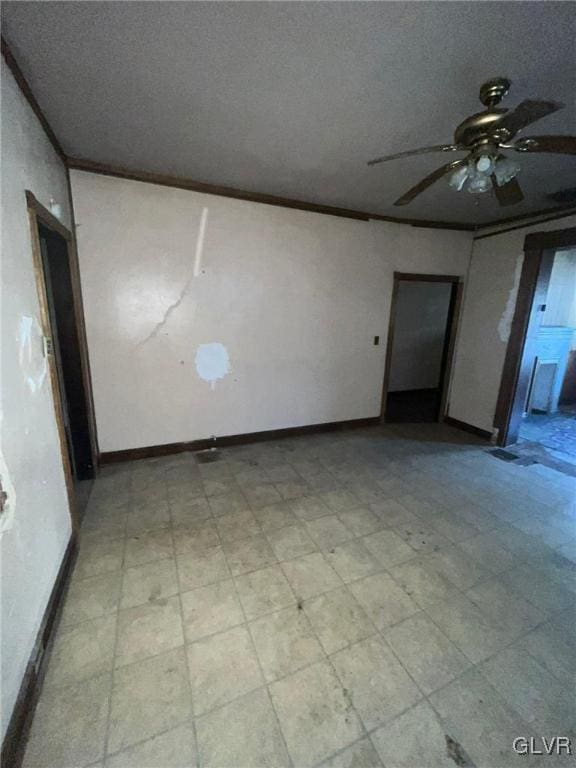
(554, 435)
(393, 597)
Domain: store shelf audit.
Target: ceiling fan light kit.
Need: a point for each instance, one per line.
(483, 136)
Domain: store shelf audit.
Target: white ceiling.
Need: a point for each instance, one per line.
(292, 98)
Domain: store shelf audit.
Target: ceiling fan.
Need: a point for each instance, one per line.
(483, 136)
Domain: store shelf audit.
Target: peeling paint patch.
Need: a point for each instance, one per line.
(212, 362)
(505, 324)
(32, 361)
(8, 494)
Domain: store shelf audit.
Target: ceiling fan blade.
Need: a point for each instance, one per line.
(509, 193)
(526, 113)
(407, 197)
(422, 151)
(561, 145)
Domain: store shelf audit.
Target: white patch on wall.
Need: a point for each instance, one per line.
(505, 324)
(212, 362)
(31, 357)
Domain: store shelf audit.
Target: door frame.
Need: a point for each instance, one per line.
(38, 214)
(449, 340)
(539, 251)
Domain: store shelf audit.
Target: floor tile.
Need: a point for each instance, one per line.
(91, 598)
(98, 557)
(275, 516)
(148, 698)
(470, 702)
(456, 567)
(228, 503)
(249, 555)
(172, 749)
(468, 627)
(262, 495)
(453, 527)
(310, 575)
(196, 538)
(237, 525)
(327, 531)
(264, 591)
(388, 548)
(423, 585)
(151, 518)
(243, 733)
(82, 651)
(421, 537)
(377, 685)
(291, 542)
(416, 738)
(340, 500)
(504, 607)
(393, 514)
(309, 507)
(190, 511)
(210, 609)
(284, 642)
(219, 487)
(196, 569)
(315, 715)
(146, 630)
(222, 667)
(360, 521)
(292, 489)
(338, 619)
(487, 550)
(69, 727)
(551, 649)
(352, 561)
(525, 686)
(359, 755)
(146, 547)
(383, 600)
(536, 585)
(148, 583)
(426, 653)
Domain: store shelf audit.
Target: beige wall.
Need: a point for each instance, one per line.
(293, 298)
(35, 531)
(488, 308)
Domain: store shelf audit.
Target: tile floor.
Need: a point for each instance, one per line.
(349, 599)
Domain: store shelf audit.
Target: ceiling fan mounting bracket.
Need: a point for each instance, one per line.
(493, 91)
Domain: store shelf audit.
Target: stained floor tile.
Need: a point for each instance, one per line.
(210, 609)
(375, 681)
(315, 714)
(146, 630)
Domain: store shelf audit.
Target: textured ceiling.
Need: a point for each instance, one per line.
(292, 98)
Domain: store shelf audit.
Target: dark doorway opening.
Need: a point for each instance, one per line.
(66, 351)
(421, 337)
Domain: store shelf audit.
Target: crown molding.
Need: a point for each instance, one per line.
(178, 182)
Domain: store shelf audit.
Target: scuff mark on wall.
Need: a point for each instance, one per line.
(505, 323)
(212, 362)
(32, 361)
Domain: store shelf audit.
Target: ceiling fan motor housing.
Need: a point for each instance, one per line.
(482, 129)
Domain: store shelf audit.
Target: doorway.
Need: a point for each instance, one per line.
(421, 338)
(59, 292)
(536, 409)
